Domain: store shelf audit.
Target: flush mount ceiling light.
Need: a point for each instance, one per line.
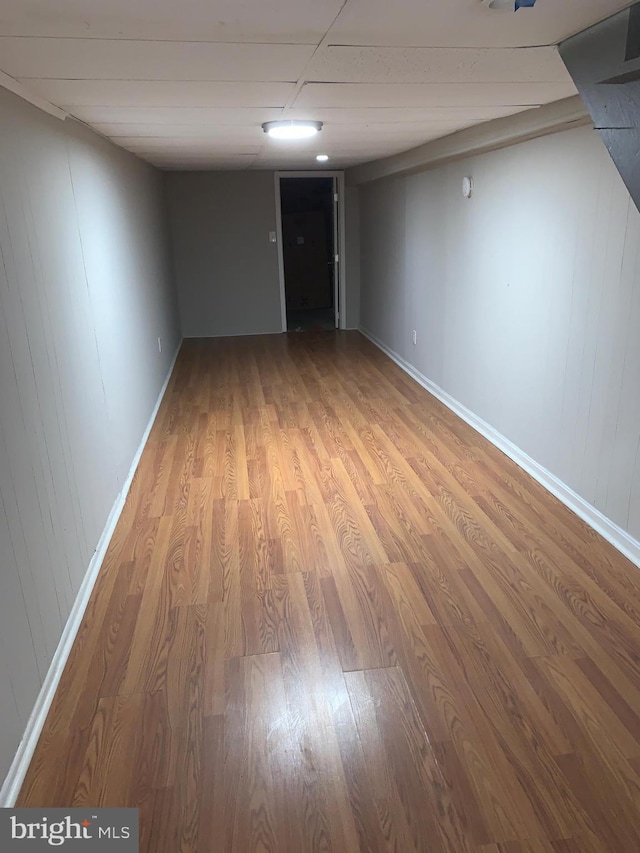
(509, 5)
(322, 158)
(292, 129)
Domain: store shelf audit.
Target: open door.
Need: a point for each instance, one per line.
(309, 221)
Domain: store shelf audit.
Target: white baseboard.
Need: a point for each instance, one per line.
(619, 538)
(18, 770)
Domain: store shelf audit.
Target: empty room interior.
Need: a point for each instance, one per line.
(320, 424)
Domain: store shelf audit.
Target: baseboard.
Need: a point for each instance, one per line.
(18, 770)
(231, 335)
(619, 538)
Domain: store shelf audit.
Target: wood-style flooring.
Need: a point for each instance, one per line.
(335, 618)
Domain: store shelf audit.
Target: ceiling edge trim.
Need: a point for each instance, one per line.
(479, 139)
(23, 92)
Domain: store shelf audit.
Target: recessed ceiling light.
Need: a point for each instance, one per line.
(322, 158)
(292, 129)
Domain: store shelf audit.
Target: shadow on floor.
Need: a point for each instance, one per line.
(311, 320)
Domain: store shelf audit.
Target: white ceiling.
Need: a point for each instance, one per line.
(187, 84)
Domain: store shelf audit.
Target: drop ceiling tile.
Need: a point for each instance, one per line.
(169, 149)
(167, 116)
(465, 23)
(352, 153)
(303, 165)
(119, 93)
(167, 121)
(203, 158)
(226, 134)
(201, 164)
(191, 83)
(286, 22)
(357, 115)
(96, 59)
(213, 131)
(194, 146)
(343, 64)
(331, 95)
(342, 133)
(191, 131)
(358, 145)
(204, 166)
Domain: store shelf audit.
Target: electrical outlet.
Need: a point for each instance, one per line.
(159, 344)
(415, 337)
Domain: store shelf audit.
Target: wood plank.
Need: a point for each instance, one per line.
(415, 808)
(255, 804)
(334, 618)
(330, 812)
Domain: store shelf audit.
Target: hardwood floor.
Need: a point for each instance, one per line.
(334, 618)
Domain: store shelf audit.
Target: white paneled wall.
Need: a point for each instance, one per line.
(85, 292)
(526, 303)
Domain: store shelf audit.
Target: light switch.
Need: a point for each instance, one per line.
(272, 236)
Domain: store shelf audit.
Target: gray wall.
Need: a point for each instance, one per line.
(85, 291)
(598, 55)
(526, 302)
(226, 268)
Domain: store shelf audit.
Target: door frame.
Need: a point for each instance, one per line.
(342, 277)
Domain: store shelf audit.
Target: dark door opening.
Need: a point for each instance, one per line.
(308, 207)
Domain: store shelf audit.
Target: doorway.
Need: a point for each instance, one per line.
(308, 206)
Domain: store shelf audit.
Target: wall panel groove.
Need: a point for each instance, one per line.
(85, 291)
(525, 299)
